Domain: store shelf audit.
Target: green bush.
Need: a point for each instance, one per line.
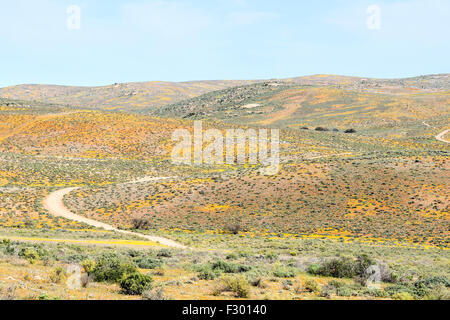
(165, 253)
(148, 262)
(342, 267)
(255, 278)
(425, 286)
(228, 267)
(110, 268)
(88, 265)
(399, 288)
(344, 292)
(336, 284)
(208, 274)
(284, 272)
(438, 293)
(431, 283)
(232, 256)
(238, 285)
(135, 283)
(314, 269)
(339, 268)
(29, 254)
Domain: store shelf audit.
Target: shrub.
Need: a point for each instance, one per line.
(431, 283)
(344, 292)
(148, 262)
(58, 275)
(321, 129)
(165, 253)
(339, 268)
(29, 254)
(363, 262)
(255, 279)
(272, 256)
(425, 286)
(314, 269)
(208, 274)
(109, 268)
(342, 267)
(231, 256)
(350, 131)
(154, 295)
(233, 228)
(228, 267)
(285, 272)
(140, 223)
(88, 265)
(336, 284)
(238, 285)
(311, 286)
(398, 288)
(373, 292)
(438, 293)
(135, 283)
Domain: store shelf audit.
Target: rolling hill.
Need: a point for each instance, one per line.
(126, 96)
(137, 96)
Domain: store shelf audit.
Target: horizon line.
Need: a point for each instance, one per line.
(218, 80)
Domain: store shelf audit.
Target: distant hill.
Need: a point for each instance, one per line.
(138, 96)
(328, 101)
(437, 82)
(126, 96)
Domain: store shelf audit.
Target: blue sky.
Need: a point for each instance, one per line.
(180, 40)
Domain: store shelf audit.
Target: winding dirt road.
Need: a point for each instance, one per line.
(441, 136)
(55, 205)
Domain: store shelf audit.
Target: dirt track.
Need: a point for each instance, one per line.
(55, 205)
(441, 136)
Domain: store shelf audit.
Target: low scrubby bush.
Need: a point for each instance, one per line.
(135, 283)
(148, 262)
(342, 267)
(285, 272)
(208, 274)
(311, 286)
(88, 265)
(110, 268)
(58, 275)
(237, 284)
(29, 254)
(164, 253)
(228, 267)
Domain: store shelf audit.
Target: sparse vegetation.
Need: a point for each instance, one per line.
(362, 184)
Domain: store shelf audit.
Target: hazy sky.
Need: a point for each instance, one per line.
(178, 40)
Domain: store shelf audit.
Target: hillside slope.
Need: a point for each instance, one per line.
(290, 105)
(126, 96)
